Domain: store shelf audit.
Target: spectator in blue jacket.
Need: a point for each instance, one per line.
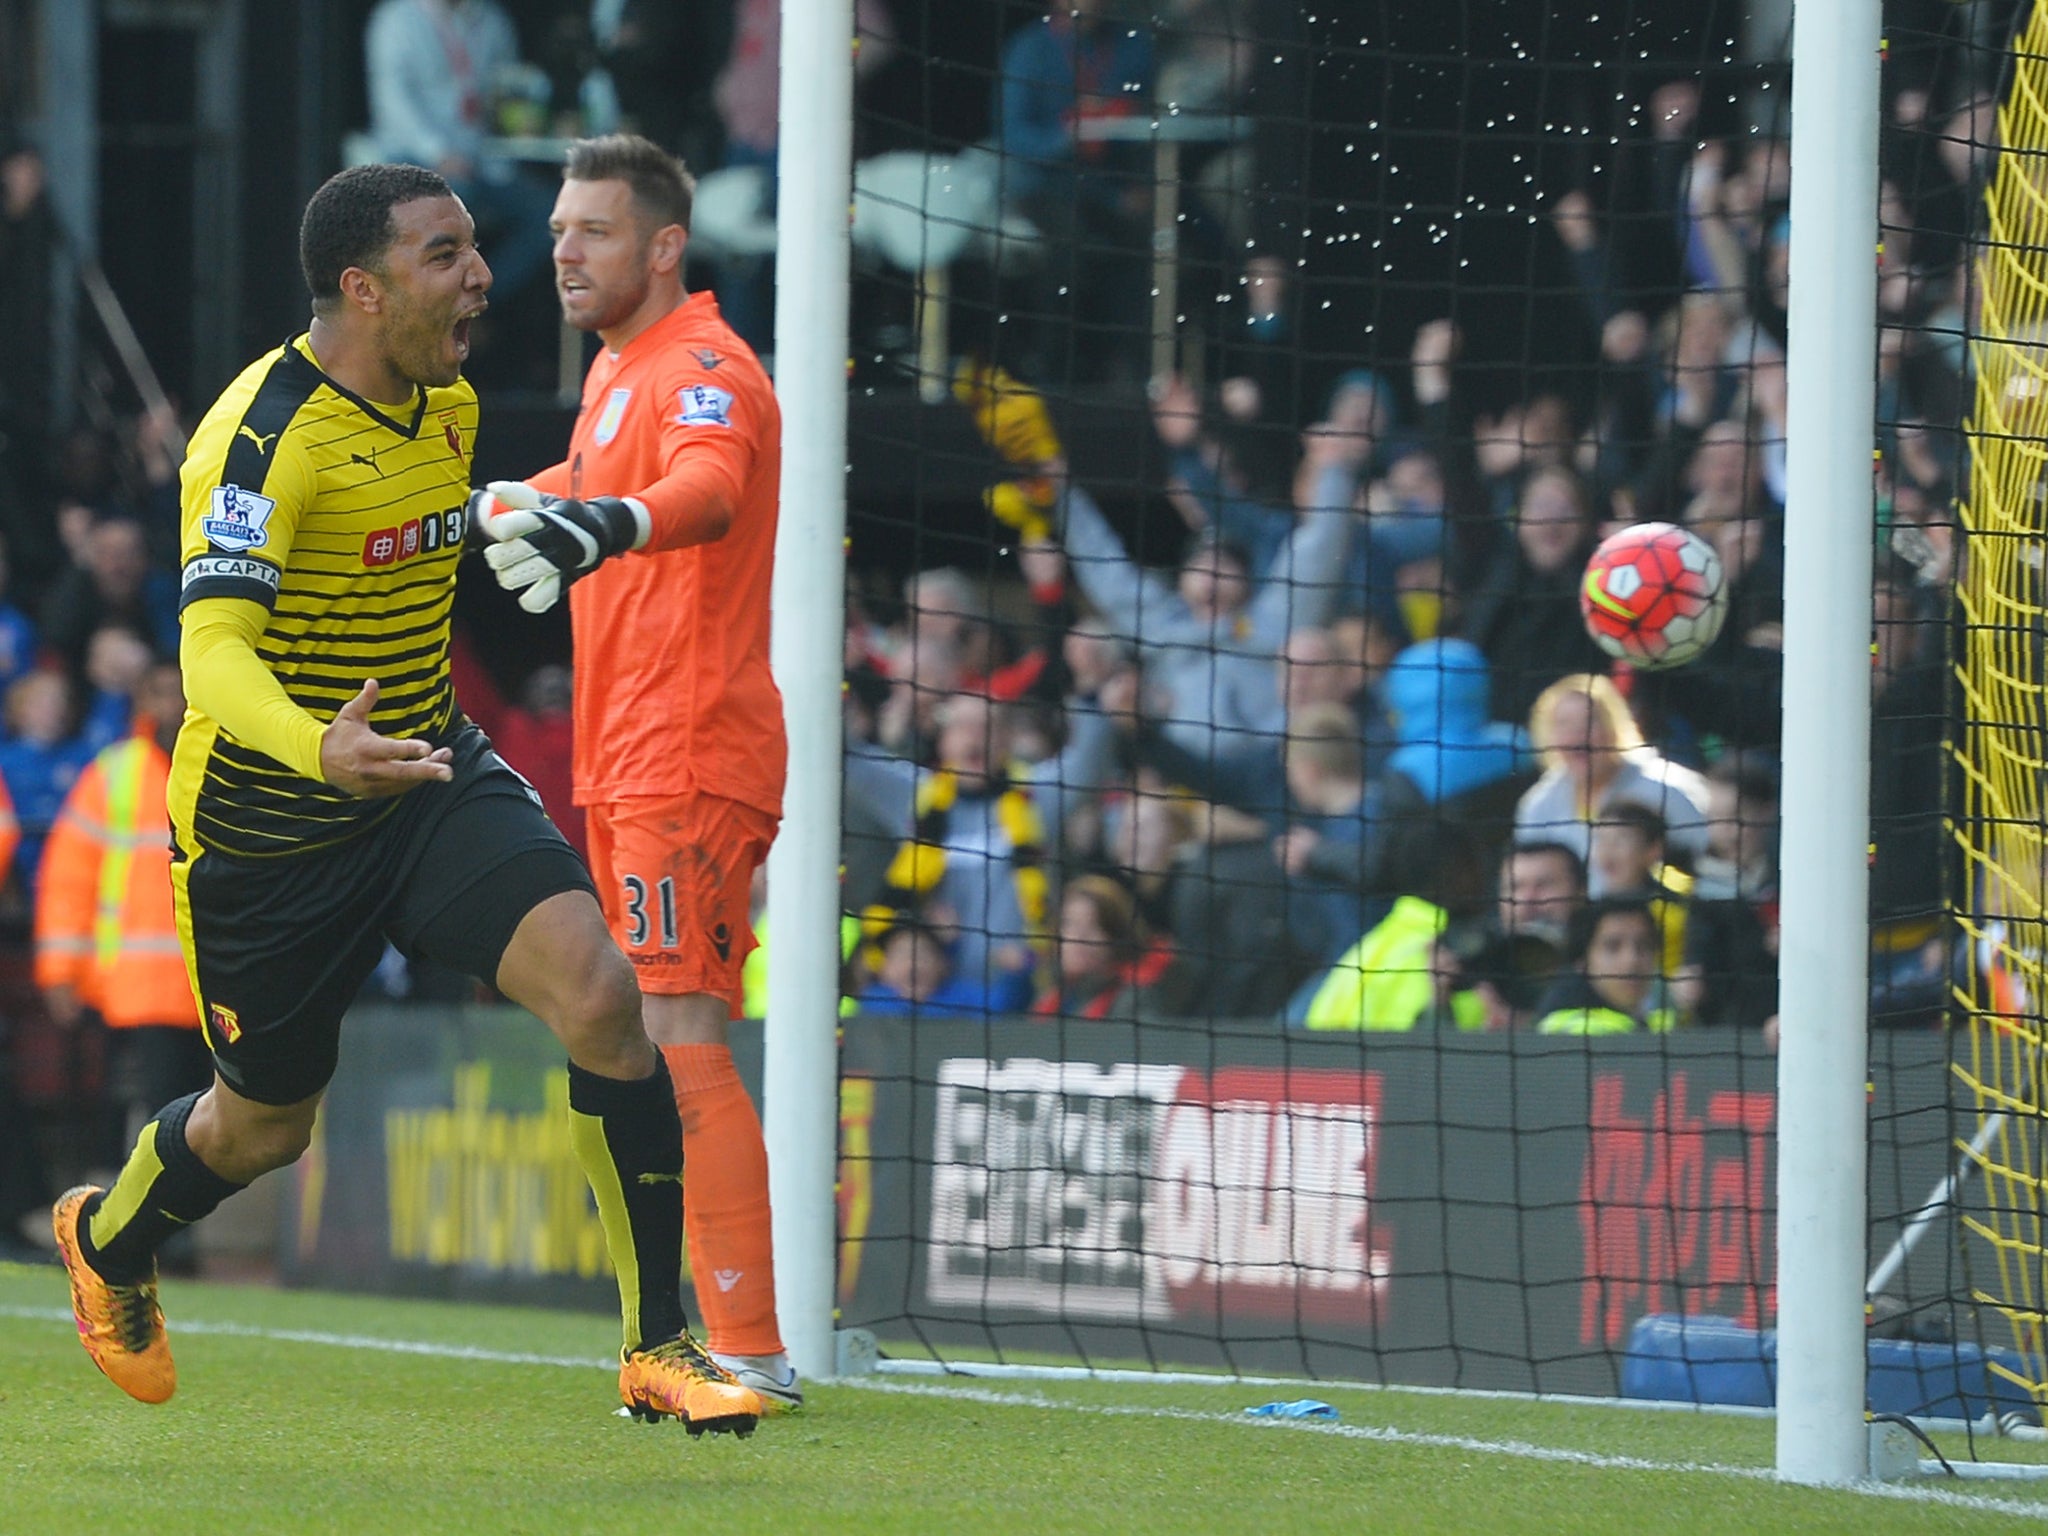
(917, 976)
(1331, 851)
(1447, 743)
(973, 840)
(1454, 771)
(116, 661)
(1068, 68)
(1210, 639)
(1089, 197)
(40, 760)
(113, 582)
(1315, 667)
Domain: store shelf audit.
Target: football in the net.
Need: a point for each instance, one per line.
(1654, 595)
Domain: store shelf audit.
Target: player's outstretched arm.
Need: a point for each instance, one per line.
(538, 549)
(227, 681)
(355, 758)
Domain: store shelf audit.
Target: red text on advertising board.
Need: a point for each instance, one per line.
(1673, 1209)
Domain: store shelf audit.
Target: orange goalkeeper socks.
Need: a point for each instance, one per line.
(725, 1201)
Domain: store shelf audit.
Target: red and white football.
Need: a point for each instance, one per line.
(1654, 595)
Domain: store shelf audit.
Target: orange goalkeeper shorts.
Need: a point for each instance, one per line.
(674, 876)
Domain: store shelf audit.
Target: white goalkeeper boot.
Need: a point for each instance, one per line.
(770, 1377)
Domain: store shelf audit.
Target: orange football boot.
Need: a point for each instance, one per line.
(678, 1379)
(121, 1326)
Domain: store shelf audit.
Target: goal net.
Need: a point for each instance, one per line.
(1999, 825)
(1281, 939)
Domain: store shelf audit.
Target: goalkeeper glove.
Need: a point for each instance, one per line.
(539, 551)
(491, 503)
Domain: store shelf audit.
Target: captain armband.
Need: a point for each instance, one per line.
(216, 575)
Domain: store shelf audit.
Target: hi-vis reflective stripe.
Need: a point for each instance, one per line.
(104, 836)
(122, 767)
(155, 944)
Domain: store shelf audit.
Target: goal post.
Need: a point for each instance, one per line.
(801, 1057)
(1824, 942)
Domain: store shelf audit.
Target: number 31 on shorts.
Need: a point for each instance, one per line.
(636, 911)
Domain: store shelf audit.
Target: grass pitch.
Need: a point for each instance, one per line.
(308, 1413)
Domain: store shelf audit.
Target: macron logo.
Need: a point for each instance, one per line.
(728, 1278)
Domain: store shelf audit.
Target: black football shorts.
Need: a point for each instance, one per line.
(280, 946)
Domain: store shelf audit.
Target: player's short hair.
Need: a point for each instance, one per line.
(348, 222)
(663, 188)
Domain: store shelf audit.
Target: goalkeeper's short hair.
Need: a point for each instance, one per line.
(663, 188)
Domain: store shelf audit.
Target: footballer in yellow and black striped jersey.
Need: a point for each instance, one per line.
(330, 803)
(345, 521)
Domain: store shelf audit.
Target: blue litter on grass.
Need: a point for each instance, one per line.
(1300, 1408)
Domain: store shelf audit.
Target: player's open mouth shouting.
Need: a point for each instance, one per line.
(461, 330)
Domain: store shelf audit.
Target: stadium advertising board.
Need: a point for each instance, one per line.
(1476, 1211)
(1145, 1193)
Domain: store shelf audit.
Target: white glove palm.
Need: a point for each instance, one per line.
(493, 509)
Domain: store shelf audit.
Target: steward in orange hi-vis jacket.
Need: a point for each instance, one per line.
(104, 927)
(106, 937)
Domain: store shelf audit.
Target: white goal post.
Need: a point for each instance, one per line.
(801, 1068)
(1824, 948)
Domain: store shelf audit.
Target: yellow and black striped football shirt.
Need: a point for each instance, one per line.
(345, 519)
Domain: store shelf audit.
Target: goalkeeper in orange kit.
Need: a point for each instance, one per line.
(663, 517)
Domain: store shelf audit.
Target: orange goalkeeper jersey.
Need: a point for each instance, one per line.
(673, 691)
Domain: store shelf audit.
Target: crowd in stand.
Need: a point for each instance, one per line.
(1377, 779)
(1356, 764)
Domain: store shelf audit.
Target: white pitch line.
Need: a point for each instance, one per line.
(986, 1370)
(989, 1370)
(1520, 1450)
(343, 1341)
